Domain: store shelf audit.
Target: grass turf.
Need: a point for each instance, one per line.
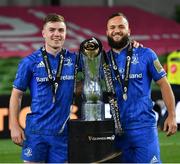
(9, 152)
(170, 146)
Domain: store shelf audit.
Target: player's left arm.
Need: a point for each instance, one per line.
(170, 125)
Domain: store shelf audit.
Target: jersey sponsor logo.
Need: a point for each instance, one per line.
(45, 79)
(28, 152)
(68, 62)
(158, 66)
(67, 77)
(131, 76)
(41, 64)
(135, 59)
(42, 79)
(134, 76)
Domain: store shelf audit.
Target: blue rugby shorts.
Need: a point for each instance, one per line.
(43, 148)
(139, 146)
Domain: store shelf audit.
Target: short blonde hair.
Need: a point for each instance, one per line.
(53, 17)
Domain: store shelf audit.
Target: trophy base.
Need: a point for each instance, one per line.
(92, 142)
(93, 111)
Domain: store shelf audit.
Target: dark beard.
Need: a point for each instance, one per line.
(118, 44)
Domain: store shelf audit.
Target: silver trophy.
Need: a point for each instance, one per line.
(92, 106)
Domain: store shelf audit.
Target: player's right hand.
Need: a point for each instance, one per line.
(17, 135)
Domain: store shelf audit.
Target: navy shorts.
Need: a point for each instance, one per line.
(43, 148)
(139, 146)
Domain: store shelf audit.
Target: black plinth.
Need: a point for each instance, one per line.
(92, 141)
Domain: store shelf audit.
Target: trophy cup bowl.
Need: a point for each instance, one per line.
(91, 48)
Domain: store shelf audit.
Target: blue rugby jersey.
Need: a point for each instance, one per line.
(46, 117)
(136, 111)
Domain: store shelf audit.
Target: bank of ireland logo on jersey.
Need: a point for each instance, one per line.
(28, 152)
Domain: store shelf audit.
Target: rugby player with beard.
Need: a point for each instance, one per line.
(139, 141)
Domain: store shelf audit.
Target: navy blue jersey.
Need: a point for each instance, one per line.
(137, 111)
(46, 117)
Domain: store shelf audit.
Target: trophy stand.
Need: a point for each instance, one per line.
(91, 138)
